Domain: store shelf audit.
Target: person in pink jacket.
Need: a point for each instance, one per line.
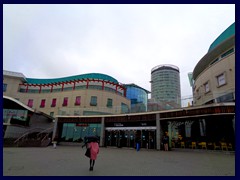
(94, 150)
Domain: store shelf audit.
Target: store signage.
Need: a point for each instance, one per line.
(82, 125)
(118, 124)
(143, 124)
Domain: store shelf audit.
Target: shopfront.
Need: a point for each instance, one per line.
(128, 134)
(209, 124)
(75, 132)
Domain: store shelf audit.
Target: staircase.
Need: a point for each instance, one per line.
(36, 137)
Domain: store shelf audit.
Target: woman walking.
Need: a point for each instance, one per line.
(91, 142)
(94, 150)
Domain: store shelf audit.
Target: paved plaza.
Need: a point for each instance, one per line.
(70, 161)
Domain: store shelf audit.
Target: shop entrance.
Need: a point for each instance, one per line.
(130, 137)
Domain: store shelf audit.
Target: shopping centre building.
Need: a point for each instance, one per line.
(85, 94)
(213, 78)
(209, 123)
(97, 104)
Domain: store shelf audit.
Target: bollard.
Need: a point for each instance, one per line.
(54, 145)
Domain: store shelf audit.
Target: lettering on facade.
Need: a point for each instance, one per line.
(118, 124)
(82, 124)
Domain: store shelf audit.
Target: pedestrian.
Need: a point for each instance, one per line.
(94, 150)
(165, 142)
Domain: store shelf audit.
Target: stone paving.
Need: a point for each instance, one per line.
(70, 161)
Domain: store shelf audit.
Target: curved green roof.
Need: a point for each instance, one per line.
(95, 76)
(230, 31)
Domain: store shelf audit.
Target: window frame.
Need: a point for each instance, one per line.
(109, 103)
(54, 102)
(206, 87)
(93, 101)
(5, 87)
(65, 101)
(43, 101)
(219, 80)
(30, 103)
(77, 101)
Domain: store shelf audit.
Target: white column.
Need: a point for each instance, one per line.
(55, 128)
(54, 133)
(158, 139)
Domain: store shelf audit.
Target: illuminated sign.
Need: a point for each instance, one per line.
(82, 124)
(118, 124)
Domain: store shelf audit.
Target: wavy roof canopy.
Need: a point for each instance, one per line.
(90, 76)
(230, 31)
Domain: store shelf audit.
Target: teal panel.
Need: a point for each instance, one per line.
(230, 31)
(96, 76)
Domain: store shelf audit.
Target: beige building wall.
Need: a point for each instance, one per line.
(209, 75)
(71, 108)
(12, 86)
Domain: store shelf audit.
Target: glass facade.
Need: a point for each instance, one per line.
(208, 129)
(138, 97)
(75, 132)
(17, 114)
(165, 87)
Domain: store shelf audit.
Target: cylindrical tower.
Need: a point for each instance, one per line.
(165, 87)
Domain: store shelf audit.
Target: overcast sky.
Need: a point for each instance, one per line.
(123, 41)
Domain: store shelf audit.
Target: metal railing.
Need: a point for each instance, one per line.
(27, 133)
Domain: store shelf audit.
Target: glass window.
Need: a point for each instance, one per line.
(226, 98)
(30, 103)
(227, 53)
(78, 100)
(52, 114)
(42, 105)
(54, 102)
(93, 101)
(221, 80)
(65, 101)
(4, 87)
(206, 87)
(124, 108)
(214, 61)
(109, 102)
(75, 132)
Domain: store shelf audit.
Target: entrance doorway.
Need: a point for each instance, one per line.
(129, 137)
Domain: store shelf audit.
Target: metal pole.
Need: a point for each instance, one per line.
(170, 134)
(158, 140)
(102, 132)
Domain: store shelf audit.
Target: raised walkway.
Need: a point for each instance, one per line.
(70, 161)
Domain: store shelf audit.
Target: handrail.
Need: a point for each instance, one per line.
(45, 130)
(44, 137)
(26, 133)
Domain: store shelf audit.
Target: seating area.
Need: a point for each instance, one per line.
(203, 145)
(230, 146)
(182, 144)
(194, 145)
(224, 146)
